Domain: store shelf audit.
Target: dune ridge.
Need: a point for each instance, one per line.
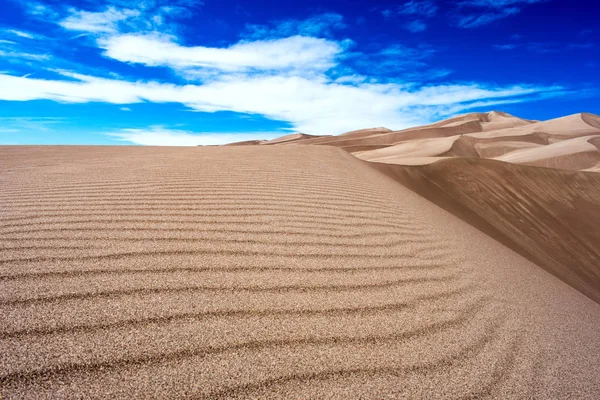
(557, 143)
(266, 272)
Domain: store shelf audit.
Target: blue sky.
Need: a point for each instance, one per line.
(184, 72)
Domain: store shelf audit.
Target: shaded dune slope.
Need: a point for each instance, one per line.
(266, 272)
(550, 216)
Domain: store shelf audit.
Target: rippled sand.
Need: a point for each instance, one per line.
(266, 272)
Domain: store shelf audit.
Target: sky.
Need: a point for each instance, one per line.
(185, 72)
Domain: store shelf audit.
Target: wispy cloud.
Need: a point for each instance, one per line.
(29, 124)
(473, 20)
(41, 10)
(113, 16)
(416, 26)
(106, 21)
(21, 34)
(397, 62)
(418, 11)
(20, 56)
(19, 48)
(475, 13)
(420, 8)
(322, 25)
(545, 47)
(413, 8)
(498, 3)
(509, 46)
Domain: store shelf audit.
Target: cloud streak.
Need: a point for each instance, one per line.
(476, 13)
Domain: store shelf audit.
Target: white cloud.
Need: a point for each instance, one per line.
(296, 52)
(159, 136)
(21, 34)
(125, 109)
(311, 106)
(106, 21)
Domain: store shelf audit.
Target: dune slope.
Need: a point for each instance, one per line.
(266, 272)
(548, 215)
(564, 143)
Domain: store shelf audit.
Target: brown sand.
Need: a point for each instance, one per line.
(548, 215)
(266, 272)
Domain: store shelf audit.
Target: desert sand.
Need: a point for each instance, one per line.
(291, 271)
(571, 142)
(550, 216)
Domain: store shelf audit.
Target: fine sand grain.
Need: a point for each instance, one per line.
(266, 272)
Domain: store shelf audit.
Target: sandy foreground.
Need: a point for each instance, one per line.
(266, 272)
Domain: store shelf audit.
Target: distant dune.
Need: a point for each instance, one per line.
(571, 142)
(291, 268)
(561, 143)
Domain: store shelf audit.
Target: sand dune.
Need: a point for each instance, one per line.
(294, 137)
(577, 153)
(488, 121)
(583, 124)
(267, 272)
(494, 135)
(564, 143)
(548, 215)
(409, 149)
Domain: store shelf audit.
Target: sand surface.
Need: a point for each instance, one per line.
(266, 272)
